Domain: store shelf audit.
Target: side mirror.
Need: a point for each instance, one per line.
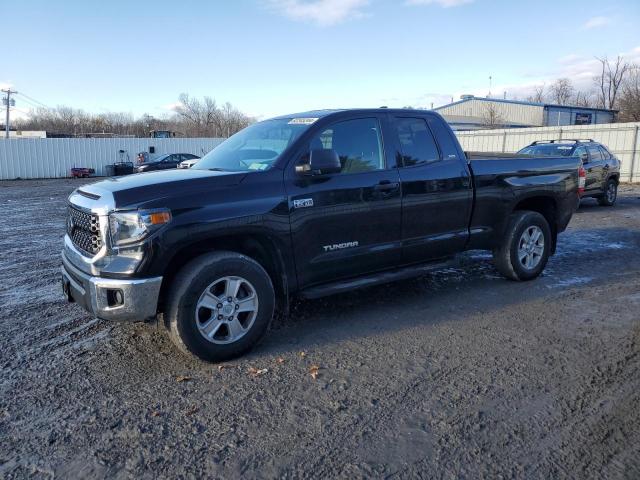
(584, 157)
(323, 162)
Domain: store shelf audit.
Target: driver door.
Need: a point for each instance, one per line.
(348, 223)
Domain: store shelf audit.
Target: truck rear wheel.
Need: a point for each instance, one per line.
(219, 306)
(525, 248)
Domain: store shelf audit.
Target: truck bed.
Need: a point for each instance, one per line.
(493, 155)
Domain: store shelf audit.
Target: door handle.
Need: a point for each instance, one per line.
(465, 178)
(386, 185)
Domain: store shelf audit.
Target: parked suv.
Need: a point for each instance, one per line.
(601, 166)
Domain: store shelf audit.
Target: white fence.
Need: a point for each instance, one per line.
(54, 157)
(623, 139)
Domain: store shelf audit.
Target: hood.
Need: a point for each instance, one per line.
(133, 190)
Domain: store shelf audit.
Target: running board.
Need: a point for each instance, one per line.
(378, 278)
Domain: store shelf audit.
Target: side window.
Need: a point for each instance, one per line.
(357, 142)
(444, 136)
(578, 152)
(595, 153)
(416, 142)
(605, 153)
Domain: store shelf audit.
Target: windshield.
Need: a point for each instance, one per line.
(157, 158)
(548, 150)
(256, 147)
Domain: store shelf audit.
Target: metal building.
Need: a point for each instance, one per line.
(472, 113)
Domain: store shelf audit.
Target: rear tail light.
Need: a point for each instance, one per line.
(582, 179)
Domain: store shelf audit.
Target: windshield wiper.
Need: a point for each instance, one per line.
(216, 169)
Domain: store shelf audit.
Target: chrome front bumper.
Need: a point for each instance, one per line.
(133, 300)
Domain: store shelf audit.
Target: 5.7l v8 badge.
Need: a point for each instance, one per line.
(303, 203)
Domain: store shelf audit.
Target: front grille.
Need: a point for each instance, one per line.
(84, 230)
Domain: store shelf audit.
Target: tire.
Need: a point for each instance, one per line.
(608, 199)
(188, 317)
(507, 257)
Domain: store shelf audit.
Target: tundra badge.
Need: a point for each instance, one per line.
(339, 246)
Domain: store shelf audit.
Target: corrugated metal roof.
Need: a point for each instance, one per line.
(521, 102)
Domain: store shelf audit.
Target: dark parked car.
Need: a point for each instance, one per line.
(163, 162)
(310, 204)
(601, 166)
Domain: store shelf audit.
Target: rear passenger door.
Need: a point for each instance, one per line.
(436, 189)
(606, 164)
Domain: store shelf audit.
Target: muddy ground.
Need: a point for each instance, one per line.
(458, 374)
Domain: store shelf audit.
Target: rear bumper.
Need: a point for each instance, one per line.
(133, 300)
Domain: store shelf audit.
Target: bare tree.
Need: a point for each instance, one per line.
(539, 94)
(610, 81)
(583, 99)
(192, 118)
(562, 91)
(491, 117)
(629, 100)
(204, 118)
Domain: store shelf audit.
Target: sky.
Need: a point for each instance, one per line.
(271, 57)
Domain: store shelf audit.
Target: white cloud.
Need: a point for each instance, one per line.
(171, 106)
(322, 12)
(596, 22)
(442, 3)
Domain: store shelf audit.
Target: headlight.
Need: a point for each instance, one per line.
(131, 227)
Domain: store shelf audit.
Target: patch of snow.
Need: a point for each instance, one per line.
(570, 282)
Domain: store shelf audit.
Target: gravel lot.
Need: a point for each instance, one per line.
(458, 374)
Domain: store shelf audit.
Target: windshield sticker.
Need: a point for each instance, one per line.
(565, 148)
(302, 121)
(258, 166)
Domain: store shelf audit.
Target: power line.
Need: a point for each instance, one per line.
(34, 100)
(32, 104)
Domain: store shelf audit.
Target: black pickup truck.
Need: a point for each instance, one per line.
(309, 204)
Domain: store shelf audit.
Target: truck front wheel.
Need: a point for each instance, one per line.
(525, 247)
(219, 306)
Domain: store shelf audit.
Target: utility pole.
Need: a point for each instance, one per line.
(9, 104)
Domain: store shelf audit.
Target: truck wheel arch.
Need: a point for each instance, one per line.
(260, 248)
(547, 207)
